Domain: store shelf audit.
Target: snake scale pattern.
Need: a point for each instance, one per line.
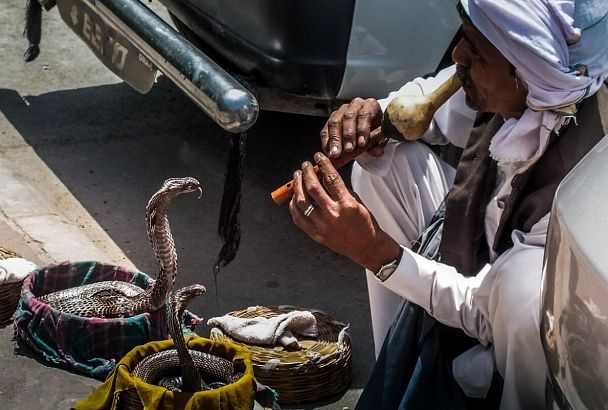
(199, 370)
(120, 299)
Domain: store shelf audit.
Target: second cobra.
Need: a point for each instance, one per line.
(199, 370)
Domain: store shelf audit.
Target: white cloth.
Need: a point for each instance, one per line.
(269, 331)
(473, 369)
(415, 177)
(499, 306)
(15, 269)
(536, 36)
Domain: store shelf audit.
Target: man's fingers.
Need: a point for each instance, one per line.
(334, 132)
(325, 139)
(350, 124)
(332, 181)
(301, 201)
(299, 198)
(305, 223)
(366, 120)
(312, 186)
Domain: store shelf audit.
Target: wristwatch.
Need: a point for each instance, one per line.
(387, 270)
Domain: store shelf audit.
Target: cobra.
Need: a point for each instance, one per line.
(199, 370)
(121, 299)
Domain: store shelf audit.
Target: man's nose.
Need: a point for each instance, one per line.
(461, 54)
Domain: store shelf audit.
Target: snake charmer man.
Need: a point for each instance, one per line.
(464, 324)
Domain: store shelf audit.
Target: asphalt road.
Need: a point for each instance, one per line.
(112, 148)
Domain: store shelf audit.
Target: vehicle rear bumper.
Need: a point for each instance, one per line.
(223, 98)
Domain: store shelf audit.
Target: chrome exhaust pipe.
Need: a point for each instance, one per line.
(222, 98)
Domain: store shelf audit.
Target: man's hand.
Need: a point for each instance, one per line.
(339, 220)
(350, 126)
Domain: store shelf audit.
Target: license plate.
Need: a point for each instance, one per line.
(109, 46)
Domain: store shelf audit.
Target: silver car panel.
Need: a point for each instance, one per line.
(574, 316)
(380, 59)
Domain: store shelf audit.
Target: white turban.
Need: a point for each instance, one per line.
(559, 48)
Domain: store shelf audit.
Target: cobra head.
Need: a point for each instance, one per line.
(177, 186)
(180, 299)
(172, 187)
(186, 294)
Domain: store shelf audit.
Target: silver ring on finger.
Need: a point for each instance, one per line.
(310, 209)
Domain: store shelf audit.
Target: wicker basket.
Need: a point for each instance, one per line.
(87, 344)
(320, 370)
(9, 292)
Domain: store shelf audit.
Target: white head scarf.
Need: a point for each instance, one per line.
(559, 49)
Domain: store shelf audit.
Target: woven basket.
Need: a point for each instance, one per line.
(320, 370)
(89, 345)
(9, 292)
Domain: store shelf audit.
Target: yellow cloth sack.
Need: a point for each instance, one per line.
(238, 395)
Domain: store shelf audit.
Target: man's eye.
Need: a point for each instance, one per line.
(471, 45)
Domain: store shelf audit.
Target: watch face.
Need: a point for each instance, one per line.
(386, 271)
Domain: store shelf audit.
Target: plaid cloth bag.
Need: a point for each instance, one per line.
(89, 345)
